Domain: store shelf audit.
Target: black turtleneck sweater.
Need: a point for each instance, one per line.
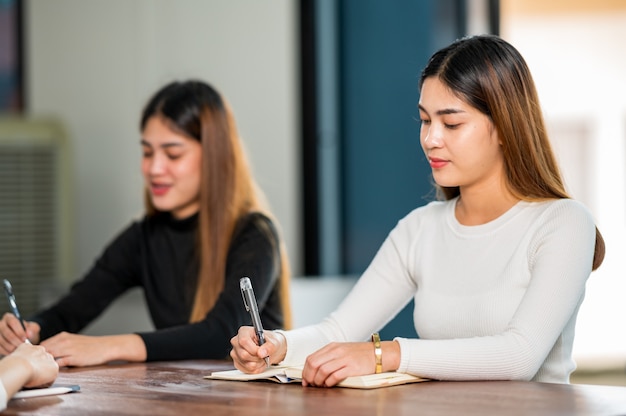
(159, 254)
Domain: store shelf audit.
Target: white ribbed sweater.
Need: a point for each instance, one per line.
(496, 301)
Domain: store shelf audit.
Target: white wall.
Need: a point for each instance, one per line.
(93, 64)
(579, 64)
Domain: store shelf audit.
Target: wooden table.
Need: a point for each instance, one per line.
(178, 388)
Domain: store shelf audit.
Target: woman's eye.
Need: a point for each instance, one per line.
(425, 121)
(452, 126)
(173, 156)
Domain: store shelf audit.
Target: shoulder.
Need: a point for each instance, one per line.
(562, 219)
(562, 210)
(255, 225)
(254, 238)
(569, 205)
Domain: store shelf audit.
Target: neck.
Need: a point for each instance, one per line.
(476, 208)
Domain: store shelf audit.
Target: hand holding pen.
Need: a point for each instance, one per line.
(8, 289)
(249, 301)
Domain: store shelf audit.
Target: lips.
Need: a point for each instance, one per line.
(159, 189)
(437, 163)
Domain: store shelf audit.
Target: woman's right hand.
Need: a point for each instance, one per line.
(12, 334)
(248, 357)
(41, 367)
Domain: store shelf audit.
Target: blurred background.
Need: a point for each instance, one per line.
(325, 95)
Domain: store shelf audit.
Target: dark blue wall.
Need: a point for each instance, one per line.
(383, 47)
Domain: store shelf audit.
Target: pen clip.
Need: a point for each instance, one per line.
(245, 285)
(8, 288)
(9, 291)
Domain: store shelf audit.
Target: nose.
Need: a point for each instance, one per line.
(432, 137)
(155, 164)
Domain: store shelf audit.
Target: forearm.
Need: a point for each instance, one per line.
(391, 355)
(127, 347)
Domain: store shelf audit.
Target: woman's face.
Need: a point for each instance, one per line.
(460, 142)
(171, 168)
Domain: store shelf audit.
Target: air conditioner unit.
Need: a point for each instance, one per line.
(35, 226)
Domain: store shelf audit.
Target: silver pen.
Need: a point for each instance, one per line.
(249, 301)
(8, 289)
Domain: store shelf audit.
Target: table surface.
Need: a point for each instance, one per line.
(179, 388)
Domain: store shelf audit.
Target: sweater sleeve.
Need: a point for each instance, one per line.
(3, 397)
(112, 274)
(383, 290)
(255, 253)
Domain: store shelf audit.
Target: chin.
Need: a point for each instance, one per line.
(162, 207)
(445, 182)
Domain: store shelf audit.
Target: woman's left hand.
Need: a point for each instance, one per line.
(336, 361)
(73, 350)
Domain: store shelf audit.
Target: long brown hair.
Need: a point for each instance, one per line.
(491, 75)
(228, 191)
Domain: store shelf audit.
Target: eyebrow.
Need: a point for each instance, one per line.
(444, 111)
(165, 145)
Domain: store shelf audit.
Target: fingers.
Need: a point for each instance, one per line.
(245, 350)
(65, 362)
(328, 375)
(246, 354)
(61, 345)
(12, 334)
(321, 367)
(273, 344)
(32, 331)
(44, 367)
(74, 350)
(335, 362)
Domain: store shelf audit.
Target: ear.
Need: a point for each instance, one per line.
(494, 133)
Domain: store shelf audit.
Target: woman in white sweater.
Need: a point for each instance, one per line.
(497, 268)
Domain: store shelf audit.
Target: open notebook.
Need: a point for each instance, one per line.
(294, 375)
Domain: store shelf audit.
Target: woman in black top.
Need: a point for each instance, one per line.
(204, 228)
